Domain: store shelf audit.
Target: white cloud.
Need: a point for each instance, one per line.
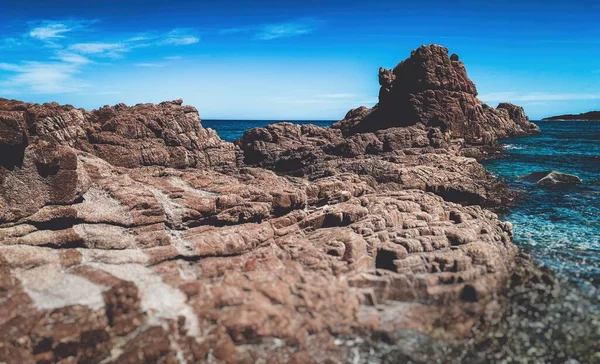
(182, 40)
(66, 56)
(180, 37)
(51, 30)
(176, 37)
(139, 38)
(72, 58)
(9, 67)
(44, 77)
(113, 50)
(286, 30)
(537, 96)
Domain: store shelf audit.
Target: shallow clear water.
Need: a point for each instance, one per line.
(560, 227)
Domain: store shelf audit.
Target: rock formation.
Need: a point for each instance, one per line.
(167, 134)
(590, 115)
(432, 89)
(133, 234)
(399, 158)
(552, 178)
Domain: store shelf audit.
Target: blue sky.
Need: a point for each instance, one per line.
(292, 59)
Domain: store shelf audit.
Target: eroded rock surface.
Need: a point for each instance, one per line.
(158, 263)
(167, 134)
(412, 157)
(132, 234)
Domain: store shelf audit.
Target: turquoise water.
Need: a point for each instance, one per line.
(559, 227)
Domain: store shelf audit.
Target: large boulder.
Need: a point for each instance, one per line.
(432, 88)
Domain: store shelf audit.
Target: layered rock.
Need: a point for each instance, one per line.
(168, 134)
(132, 234)
(412, 157)
(432, 88)
(158, 264)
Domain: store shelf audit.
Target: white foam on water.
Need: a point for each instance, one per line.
(513, 147)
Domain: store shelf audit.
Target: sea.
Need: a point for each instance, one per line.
(559, 227)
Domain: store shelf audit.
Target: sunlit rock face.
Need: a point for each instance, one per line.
(133, 234)
(167, 134)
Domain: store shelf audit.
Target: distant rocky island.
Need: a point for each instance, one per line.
(590, 115)
(134, 234)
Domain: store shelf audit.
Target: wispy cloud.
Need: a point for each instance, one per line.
(180, 37)
(69, 52)
(43, 77)
(286, 30)
(51, 30)
(9, 67)
(72, 58)
(113, 50)
(175, 37)
(537, 96)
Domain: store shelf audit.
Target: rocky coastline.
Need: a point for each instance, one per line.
(133, 234)
(586, 116)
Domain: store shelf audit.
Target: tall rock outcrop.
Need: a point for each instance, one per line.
(432, 88)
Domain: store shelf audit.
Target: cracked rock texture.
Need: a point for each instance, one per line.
(133, 234)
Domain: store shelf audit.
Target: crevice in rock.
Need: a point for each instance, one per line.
(195, 258)
(11, 157)
(69, 245)
(47, 169)
(56, 224)
(385, 260)
(452, 194)
(469, 293)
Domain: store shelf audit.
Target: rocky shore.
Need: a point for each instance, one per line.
(133, 234)
(586, 116)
